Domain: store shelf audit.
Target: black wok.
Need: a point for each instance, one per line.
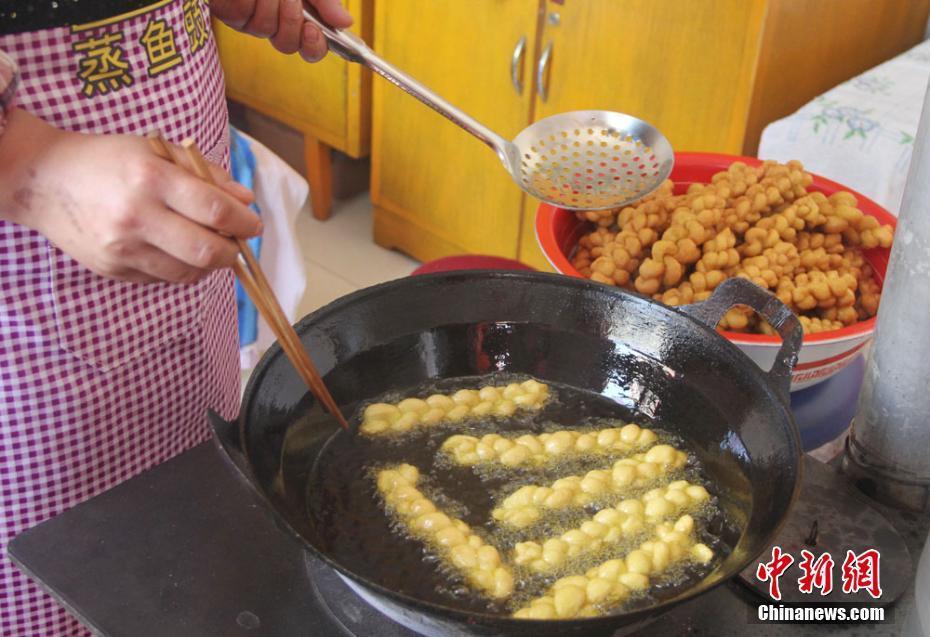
(669, 365)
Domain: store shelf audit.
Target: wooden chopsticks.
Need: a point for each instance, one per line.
(256, 284)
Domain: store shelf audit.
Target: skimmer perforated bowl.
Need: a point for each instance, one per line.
(591, 160)
(584, 160)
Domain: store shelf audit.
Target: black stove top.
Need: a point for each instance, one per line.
(186, 550)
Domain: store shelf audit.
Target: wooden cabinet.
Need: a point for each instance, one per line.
(437, 190)
(328, 102)
(708, 73)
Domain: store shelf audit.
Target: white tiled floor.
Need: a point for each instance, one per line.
(341, 256)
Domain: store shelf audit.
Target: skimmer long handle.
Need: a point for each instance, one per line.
(351, 47)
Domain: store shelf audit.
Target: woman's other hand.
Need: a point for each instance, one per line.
(116, 207)
(283, 23)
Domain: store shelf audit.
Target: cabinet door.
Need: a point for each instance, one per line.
(685, 67)
(436, 189)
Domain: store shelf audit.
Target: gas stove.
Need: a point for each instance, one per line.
(186, 550)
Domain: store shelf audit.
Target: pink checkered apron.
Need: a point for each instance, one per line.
(101, 379)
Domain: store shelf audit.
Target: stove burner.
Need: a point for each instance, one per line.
(830, 516)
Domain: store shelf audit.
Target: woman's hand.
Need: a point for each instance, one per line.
(283, 23)
(112, 204)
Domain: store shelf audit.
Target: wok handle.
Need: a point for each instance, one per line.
(737, 291)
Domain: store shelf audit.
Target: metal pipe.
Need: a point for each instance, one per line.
(888, 450)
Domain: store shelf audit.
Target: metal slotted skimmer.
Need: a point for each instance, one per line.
(584, 160)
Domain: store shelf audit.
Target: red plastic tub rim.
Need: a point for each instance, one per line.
(557, 229)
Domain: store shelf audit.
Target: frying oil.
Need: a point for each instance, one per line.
(354, 529)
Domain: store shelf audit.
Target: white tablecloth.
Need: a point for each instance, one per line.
(860, 133)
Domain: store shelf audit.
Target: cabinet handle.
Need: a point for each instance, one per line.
(516, 62)
(541, 73)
